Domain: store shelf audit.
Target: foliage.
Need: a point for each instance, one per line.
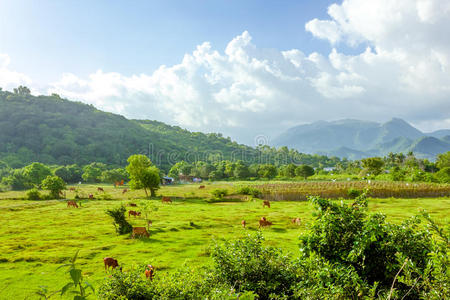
(36, 172)
(443, 176)
(373, 165)
(443, 160)
(143, 174)
(267, 171)
(34, 194)
(92, 173)
(119, 219)
(114, 175)
(77, 285)
(54, 184)
(70, 174)
(353, 193)
(248, 190)
(219, 193)
(304, 171)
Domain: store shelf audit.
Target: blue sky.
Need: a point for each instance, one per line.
(242, 68)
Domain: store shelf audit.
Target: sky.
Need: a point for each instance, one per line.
(247, 69)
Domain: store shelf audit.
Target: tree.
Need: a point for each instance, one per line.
(70, 174)
(22, 91)
(54, 184)
(304, 171)
(114, 175)
(143, 174)
(93, 172)
(241, 170)
(36, 172)
(373, 165)
(267, 171)
(289, 170)
(443, 160)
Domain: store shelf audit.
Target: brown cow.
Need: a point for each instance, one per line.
(264, 223)
(296, 221)
(72, 189)
(201, 187)
(166, 200)
(91, 196)
(134, 213)
(99, 189)
(149, 272)
(243, 223)
(110, 262)
(124, 191)
(266, 203)
(72, 203)
(140, 231)
(133, 204)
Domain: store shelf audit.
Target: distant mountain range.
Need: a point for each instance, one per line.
(355, 139)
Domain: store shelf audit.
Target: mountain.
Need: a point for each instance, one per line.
(53, 130)
(355, 139)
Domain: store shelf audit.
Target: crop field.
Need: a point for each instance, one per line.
(38, 236)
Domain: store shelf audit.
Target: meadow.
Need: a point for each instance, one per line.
(38, 236)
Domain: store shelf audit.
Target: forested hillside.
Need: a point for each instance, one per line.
(53, 130)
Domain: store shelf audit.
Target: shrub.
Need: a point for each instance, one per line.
(120, 222)
(54, 184)
(353, 193)
(34, 194)
(247, 190)
(219, 193)
(443, 175)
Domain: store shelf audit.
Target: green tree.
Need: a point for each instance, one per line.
(36, 172)
(374, 165)
(241, 170)
(54, 184)
(22, 91)
(267, 171)
(443, 160)
(143, 174)
(114, 175)
(93, 172)
(70, 174)
(304, 171)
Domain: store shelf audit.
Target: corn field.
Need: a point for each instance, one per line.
(333, 190)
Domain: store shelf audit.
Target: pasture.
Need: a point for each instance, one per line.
(38, 236)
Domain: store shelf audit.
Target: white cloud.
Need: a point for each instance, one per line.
(246, 90)
(10, 79)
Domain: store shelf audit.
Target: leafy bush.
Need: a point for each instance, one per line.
(34, 194)
(219, 193)
(353, 193)
(247, 190)
(55, 185)
(443, 175)
(120, 222)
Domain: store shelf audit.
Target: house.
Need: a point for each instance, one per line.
(166, 180)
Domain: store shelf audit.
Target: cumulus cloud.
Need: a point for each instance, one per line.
(10, 79)
(246, 91)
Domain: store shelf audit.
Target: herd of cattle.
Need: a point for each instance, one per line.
(143, 232)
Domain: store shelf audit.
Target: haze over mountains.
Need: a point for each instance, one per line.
(355, 139)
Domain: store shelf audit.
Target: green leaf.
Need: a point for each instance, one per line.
(79, 297)
(89, 285)
(65, 288)
(62, 266)
(75, 256)
(76, 275)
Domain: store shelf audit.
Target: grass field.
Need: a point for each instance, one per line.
(38, 236)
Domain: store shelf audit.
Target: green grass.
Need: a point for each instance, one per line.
(37, 236)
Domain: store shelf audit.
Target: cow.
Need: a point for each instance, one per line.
(134, 213)
(266, 203)
(139, 231)
(264, 223)
(149, 272)
(110, 262)
(296, 221)
(99, 189)
(201, 187)
(133, 204)
(166, 200)
(72, 203)
(91, 196)
(243, 223)
(72, 189)
(124, 191)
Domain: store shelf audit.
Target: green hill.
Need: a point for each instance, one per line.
(53, 130)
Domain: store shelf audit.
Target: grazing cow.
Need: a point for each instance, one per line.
(110, 262)
(166, 200)
(264, 223)
(149, 272)
(72, 189)
(72, 203)
(91, 196)
(124, 191)
(133, 204)
(149, 223)
(296, 221)
(266, 203)
(140, 231)
(99, 189)
(134, 213)
(243, 223)
(201, 187)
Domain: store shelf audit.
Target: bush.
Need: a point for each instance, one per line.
(120, 222)
(219, 193)
(55, 185)
(247, 190)
(34, 194)
(443, 175)
(353, 193)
